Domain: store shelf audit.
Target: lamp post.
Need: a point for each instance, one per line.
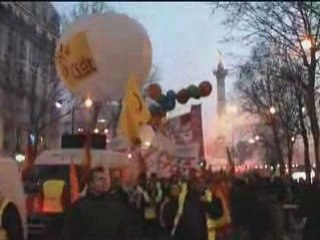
(232, 110)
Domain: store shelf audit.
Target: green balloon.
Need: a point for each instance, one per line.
(194, 91)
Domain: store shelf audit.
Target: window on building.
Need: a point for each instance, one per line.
(22, 49)
(34, 7)
(10, 40)
(21, 80)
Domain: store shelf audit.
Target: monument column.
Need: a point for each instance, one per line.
(220, 74)
(220, 143)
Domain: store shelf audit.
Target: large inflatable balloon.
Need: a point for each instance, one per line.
(97, 54)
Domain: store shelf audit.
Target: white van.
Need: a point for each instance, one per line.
(12, 187)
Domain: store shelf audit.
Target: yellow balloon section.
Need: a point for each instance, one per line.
(97, 54)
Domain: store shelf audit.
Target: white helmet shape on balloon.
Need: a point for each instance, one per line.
(97, 54)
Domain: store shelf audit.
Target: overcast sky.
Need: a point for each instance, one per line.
(185, 37)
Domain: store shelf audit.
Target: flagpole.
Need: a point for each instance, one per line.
(88, 143)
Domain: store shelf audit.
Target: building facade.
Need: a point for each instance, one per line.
(28, 82)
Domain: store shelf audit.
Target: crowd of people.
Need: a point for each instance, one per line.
(200, 206)
(154, 208)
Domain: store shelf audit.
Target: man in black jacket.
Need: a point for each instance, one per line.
(193, 222)
(97, 216)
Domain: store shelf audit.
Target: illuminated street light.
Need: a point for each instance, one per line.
(20, 157)
(306, 44)
(58, 104)
(251, 141)
(257, 137)
(232, 109)
(101, 120)
(303, 109)
(147, 143)
(96, 130)
(293, 139)
(272, 110)
(80, 129)
(129, 155)
(88, 103)
(106, 130)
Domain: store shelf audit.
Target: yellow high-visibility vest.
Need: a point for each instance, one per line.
(52, 193)
(225, 219)
(210, 222)
(3, 232)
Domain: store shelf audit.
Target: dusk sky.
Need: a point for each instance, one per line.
(185, 38)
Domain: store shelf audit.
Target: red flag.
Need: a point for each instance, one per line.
(74, 183)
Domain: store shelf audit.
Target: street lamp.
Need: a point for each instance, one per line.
(88, 102)
(306, 44)
(251, 141)
(257, 137)
(58, 104)
(231, 110)
(293, 139)
(272, 110)
(20, 157)
(96, 130)
(101, 120)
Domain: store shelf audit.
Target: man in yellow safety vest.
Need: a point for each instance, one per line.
(55, 199)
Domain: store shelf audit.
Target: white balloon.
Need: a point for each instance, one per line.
(117, 45)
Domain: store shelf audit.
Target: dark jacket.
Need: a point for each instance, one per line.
(168, 213)
(193, 222)
(96, 218)
(11, 222)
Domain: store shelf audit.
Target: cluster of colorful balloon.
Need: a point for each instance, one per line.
(167, 102)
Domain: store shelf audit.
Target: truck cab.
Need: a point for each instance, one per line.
(114, 163)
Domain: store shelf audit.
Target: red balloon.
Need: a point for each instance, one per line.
(205, 88)
(183, 96)
(154, 91)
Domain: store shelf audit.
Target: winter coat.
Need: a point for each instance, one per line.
(96, 218)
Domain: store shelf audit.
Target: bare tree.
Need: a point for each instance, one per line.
(262, 88)
(292, 25)
(84, 9)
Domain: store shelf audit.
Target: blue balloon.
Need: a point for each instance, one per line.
(168, 104)
(171, 95)
(171, 104)
(154, 109)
